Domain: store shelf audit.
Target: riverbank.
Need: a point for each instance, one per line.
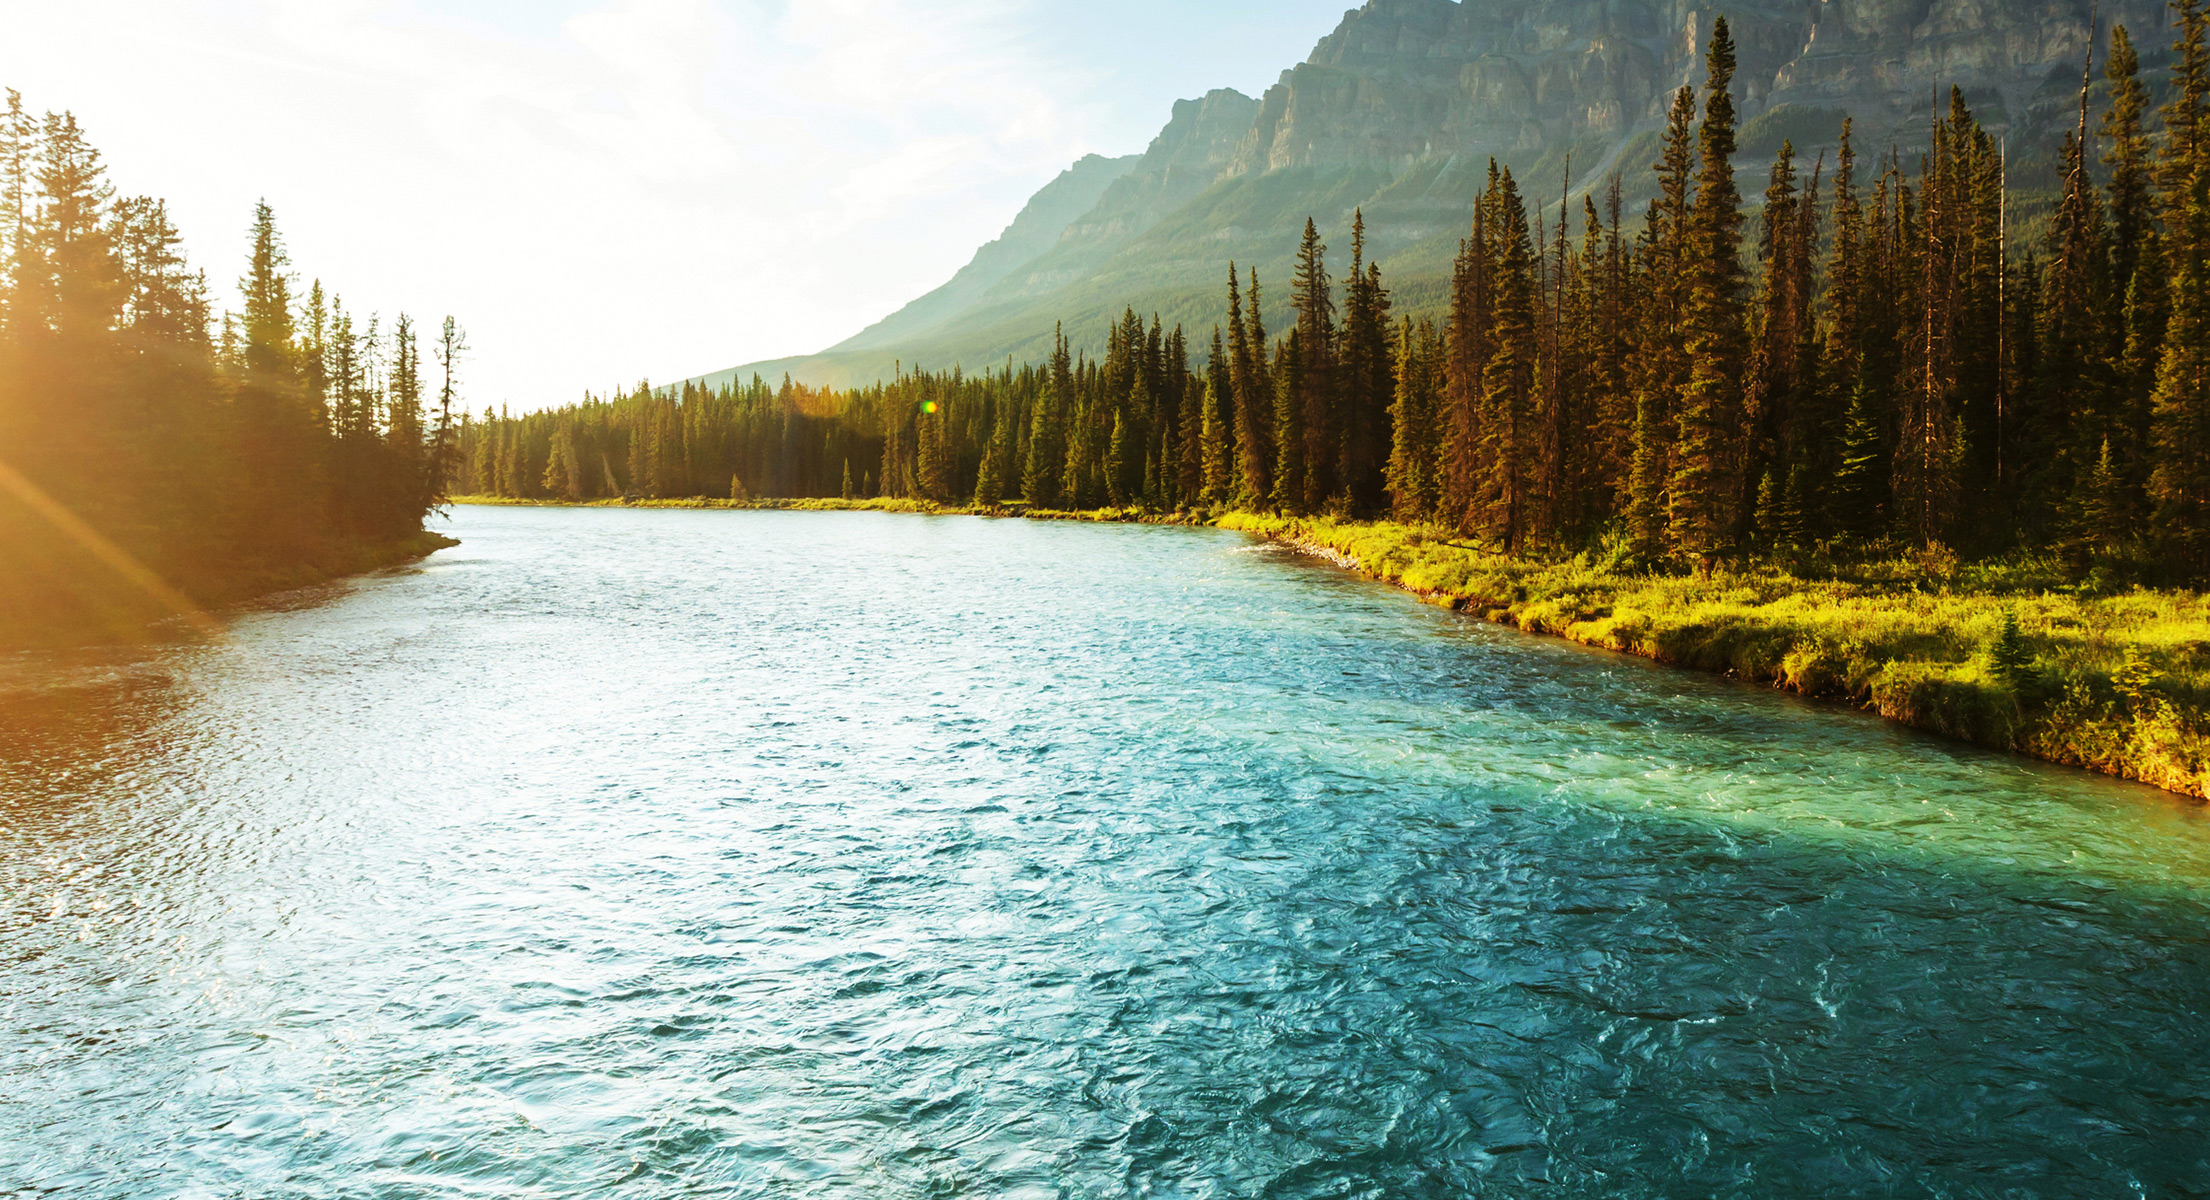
(1999, 656)
(68, 596)
(2116, 683)
(1126, 516)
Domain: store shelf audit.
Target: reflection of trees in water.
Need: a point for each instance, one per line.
(99, 855)
(79, 728)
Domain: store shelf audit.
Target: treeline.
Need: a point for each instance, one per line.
(1862, 362)
(1887, 374)
(223, 454)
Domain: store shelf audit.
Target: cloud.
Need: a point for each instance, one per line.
(600, 189)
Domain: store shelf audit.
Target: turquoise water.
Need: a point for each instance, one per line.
(638, 854)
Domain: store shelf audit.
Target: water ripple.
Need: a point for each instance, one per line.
(825, 855)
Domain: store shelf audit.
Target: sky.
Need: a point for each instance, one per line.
(604, 191)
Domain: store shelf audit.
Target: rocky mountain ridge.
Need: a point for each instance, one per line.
(1398, 110)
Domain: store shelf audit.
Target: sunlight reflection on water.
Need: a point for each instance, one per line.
(644, 854)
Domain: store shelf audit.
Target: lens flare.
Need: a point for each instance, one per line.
(114, 556)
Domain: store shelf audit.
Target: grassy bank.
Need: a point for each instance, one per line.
(63, 595)
(2001, 655)
(338, 562)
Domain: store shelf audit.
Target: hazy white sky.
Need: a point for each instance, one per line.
(606, 190)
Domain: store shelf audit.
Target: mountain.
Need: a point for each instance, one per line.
(1398, 111)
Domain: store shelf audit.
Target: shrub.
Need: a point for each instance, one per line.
(2135, 680)
(2012, 660)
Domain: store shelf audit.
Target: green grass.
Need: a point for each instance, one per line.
(2113, 682)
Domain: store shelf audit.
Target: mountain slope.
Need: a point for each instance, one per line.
(1398, 111)
(1035, 231)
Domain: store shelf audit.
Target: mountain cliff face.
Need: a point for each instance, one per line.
(1403, 80)
(1398, 111)
(1038, 228)
(1187, 157)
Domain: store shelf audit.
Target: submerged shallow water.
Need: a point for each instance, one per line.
(841, 855)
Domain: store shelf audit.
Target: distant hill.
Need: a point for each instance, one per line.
(1398, 113)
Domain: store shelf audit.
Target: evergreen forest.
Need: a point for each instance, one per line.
(1868, 358)
(156, 454)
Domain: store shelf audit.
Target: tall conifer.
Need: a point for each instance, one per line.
(1318, 386)
(1660, 364)
(1471, 347)
(1368, 376)
(1218, 426)
(1705, 485)
(1416, 441)
(1289, 414)
(2180, 479)
(1254, 398)
(1507, 381)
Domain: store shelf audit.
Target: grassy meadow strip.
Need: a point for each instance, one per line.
(1998, 654)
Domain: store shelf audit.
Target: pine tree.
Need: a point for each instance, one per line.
(1368, 377)
(1841, 357)
(1318, 422)
(1860, 482)
(514, 472)
(406, 489)
(2010, 657)
(269, 331)
(1289, 411)
(1925, 485)
(1507, 381)
(2100, 520)
(2074, 398)
(1471, 347)
(1079, 485)
(932, 460)
(2186, 136)
(452, 346)
(1594, 430)
(563, 475)
(1554, 498)
(2180, 479)
(66, 286)
(1119, 492)
(1705, 489)
(1659, 364)
(1046, 449)
(1416, 440)
(1189, 399)
(18, 158)
(2132, 203)
(1219, 426)
(1779, 315)
(330, 369)
(990, 476)
(1254, 397)
(169, 378)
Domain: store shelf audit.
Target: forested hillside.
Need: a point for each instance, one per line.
(155, 456)
(1850, 364)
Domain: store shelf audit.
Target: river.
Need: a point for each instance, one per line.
(643, 854)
